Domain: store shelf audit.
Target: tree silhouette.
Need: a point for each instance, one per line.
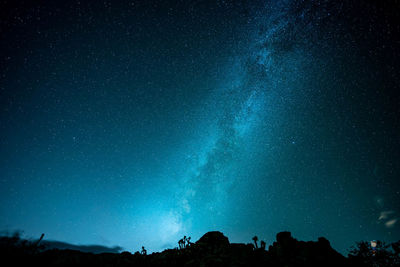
(384, 255)
(263, 245)
(255, 239)
(212, 249)
(184, 242)
(144, 251)
(188, 241)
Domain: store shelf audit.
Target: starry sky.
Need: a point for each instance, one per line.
(130, 123)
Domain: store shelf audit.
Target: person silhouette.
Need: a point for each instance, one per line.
(144, 251)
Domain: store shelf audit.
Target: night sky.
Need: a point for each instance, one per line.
(135, 123)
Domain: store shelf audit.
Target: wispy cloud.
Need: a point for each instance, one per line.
(391, 223)
(388, 218)
(385, 214)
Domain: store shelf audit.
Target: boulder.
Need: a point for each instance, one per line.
(214, 239)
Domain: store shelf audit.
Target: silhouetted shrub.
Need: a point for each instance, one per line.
(212, 249)
(385, 255)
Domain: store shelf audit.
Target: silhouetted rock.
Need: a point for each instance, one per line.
(212, 243)
(284, 238)
(212, 249)
(287, 251)
(213, 239)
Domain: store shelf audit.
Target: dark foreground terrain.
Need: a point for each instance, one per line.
(212, 249)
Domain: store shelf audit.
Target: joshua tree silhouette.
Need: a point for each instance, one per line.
(180, 243)
(144, 251)
(255, 239)
(184, 242)
(40, 239)
(263, 244)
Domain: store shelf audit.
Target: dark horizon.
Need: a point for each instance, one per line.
(43, 245)
(212, 249)
(129, 124)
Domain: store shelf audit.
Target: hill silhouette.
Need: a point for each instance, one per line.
(96, 249)
(212, 249)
